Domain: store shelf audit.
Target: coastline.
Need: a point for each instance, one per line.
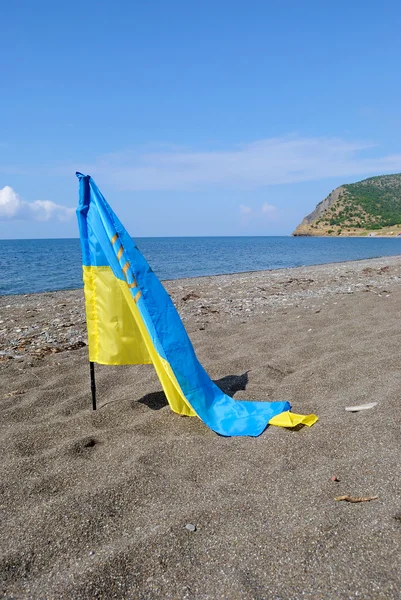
(95, 504)
(176, 259)
(52, 321)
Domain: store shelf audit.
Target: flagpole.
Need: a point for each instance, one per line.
(93, 385)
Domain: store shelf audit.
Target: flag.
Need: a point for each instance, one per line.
(132, 320)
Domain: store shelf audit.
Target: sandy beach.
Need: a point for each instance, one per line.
(94, 505)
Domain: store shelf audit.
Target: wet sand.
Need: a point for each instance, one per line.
(95, 504)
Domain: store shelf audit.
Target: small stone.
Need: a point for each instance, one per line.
(190, 527)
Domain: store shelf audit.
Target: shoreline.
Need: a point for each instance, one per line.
(228, 274)
(13, 282)
(50, 322)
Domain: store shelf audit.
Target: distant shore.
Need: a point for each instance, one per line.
(307, 231)
(368, 234)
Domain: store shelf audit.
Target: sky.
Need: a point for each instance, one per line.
(194, 118)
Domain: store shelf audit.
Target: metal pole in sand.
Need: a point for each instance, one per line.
(93, 385)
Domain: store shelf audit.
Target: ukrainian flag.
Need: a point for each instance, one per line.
(132, 320)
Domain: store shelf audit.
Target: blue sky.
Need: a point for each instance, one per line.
(194, 118)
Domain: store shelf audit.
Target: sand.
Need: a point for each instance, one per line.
(95, 504)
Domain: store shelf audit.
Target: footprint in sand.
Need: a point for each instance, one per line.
(84, 447)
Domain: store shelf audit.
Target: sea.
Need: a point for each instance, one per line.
(29, 266)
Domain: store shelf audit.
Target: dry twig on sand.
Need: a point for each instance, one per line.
(352, 499)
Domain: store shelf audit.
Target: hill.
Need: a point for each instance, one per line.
(370, 206)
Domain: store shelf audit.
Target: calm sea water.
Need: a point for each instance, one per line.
(28, 266)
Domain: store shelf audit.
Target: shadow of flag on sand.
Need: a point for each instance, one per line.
(132, 320)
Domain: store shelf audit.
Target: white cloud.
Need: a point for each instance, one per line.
(268, 208)
(245, 210)
(44, 210)
(256, 164)
(10, 203)
(12, 206)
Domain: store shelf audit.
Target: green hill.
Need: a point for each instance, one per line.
(371, 205)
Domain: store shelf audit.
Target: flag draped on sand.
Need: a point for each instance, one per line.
(132, 320)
